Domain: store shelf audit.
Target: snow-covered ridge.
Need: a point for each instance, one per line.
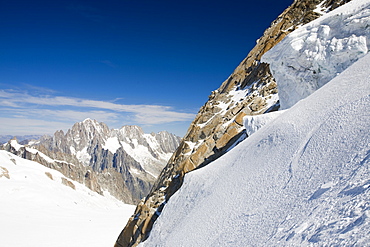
(253, 123)
(302, 180)
(41, 207)
(315, 53)
(14, 143)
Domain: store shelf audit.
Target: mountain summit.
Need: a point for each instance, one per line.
(250, 91)
(87, 138)
(123, 161)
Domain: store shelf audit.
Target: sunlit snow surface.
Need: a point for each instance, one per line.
(39, 211)
(255, 122)
(301, 180)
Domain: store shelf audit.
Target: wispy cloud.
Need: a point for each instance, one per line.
(37, 90)
(109, 63)
(27, 126)
(21, 108)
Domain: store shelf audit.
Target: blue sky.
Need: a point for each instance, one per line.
(148, 63)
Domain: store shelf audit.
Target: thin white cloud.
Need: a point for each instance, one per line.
(50, 109)
(38, 90)
(12, 98)
(61, 115)
(6, 103)
(26, 126)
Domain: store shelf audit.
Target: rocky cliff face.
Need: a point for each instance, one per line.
(123, 161)
(218, 126)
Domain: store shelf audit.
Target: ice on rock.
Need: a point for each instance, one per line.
(112, 144)
(254, 123)
(315, 53)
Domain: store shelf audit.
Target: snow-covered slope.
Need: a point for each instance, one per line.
(301, 180)
(254, 123)
(318, 51)
(40, 207)
(250, 90)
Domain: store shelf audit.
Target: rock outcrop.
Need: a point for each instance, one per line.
(218, 126)
(124, 162)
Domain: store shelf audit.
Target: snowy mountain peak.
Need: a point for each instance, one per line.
(14, 144)
(134, 157)
(88, 120)
(131, 131)
(92, 126)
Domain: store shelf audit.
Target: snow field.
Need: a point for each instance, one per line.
(38, 210)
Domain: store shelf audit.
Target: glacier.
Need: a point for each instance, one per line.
(300, 180)
(315, 53)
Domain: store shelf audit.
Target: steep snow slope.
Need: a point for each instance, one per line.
(316, 52)
(300, 180)
(254, 123)
(218, 126)
(41, 207)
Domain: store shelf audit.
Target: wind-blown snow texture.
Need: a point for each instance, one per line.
(300, 180)
(316, 52)
(254, 123)
(37, 209)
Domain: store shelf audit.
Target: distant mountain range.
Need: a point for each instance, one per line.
(6, 138)
(123, 161)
